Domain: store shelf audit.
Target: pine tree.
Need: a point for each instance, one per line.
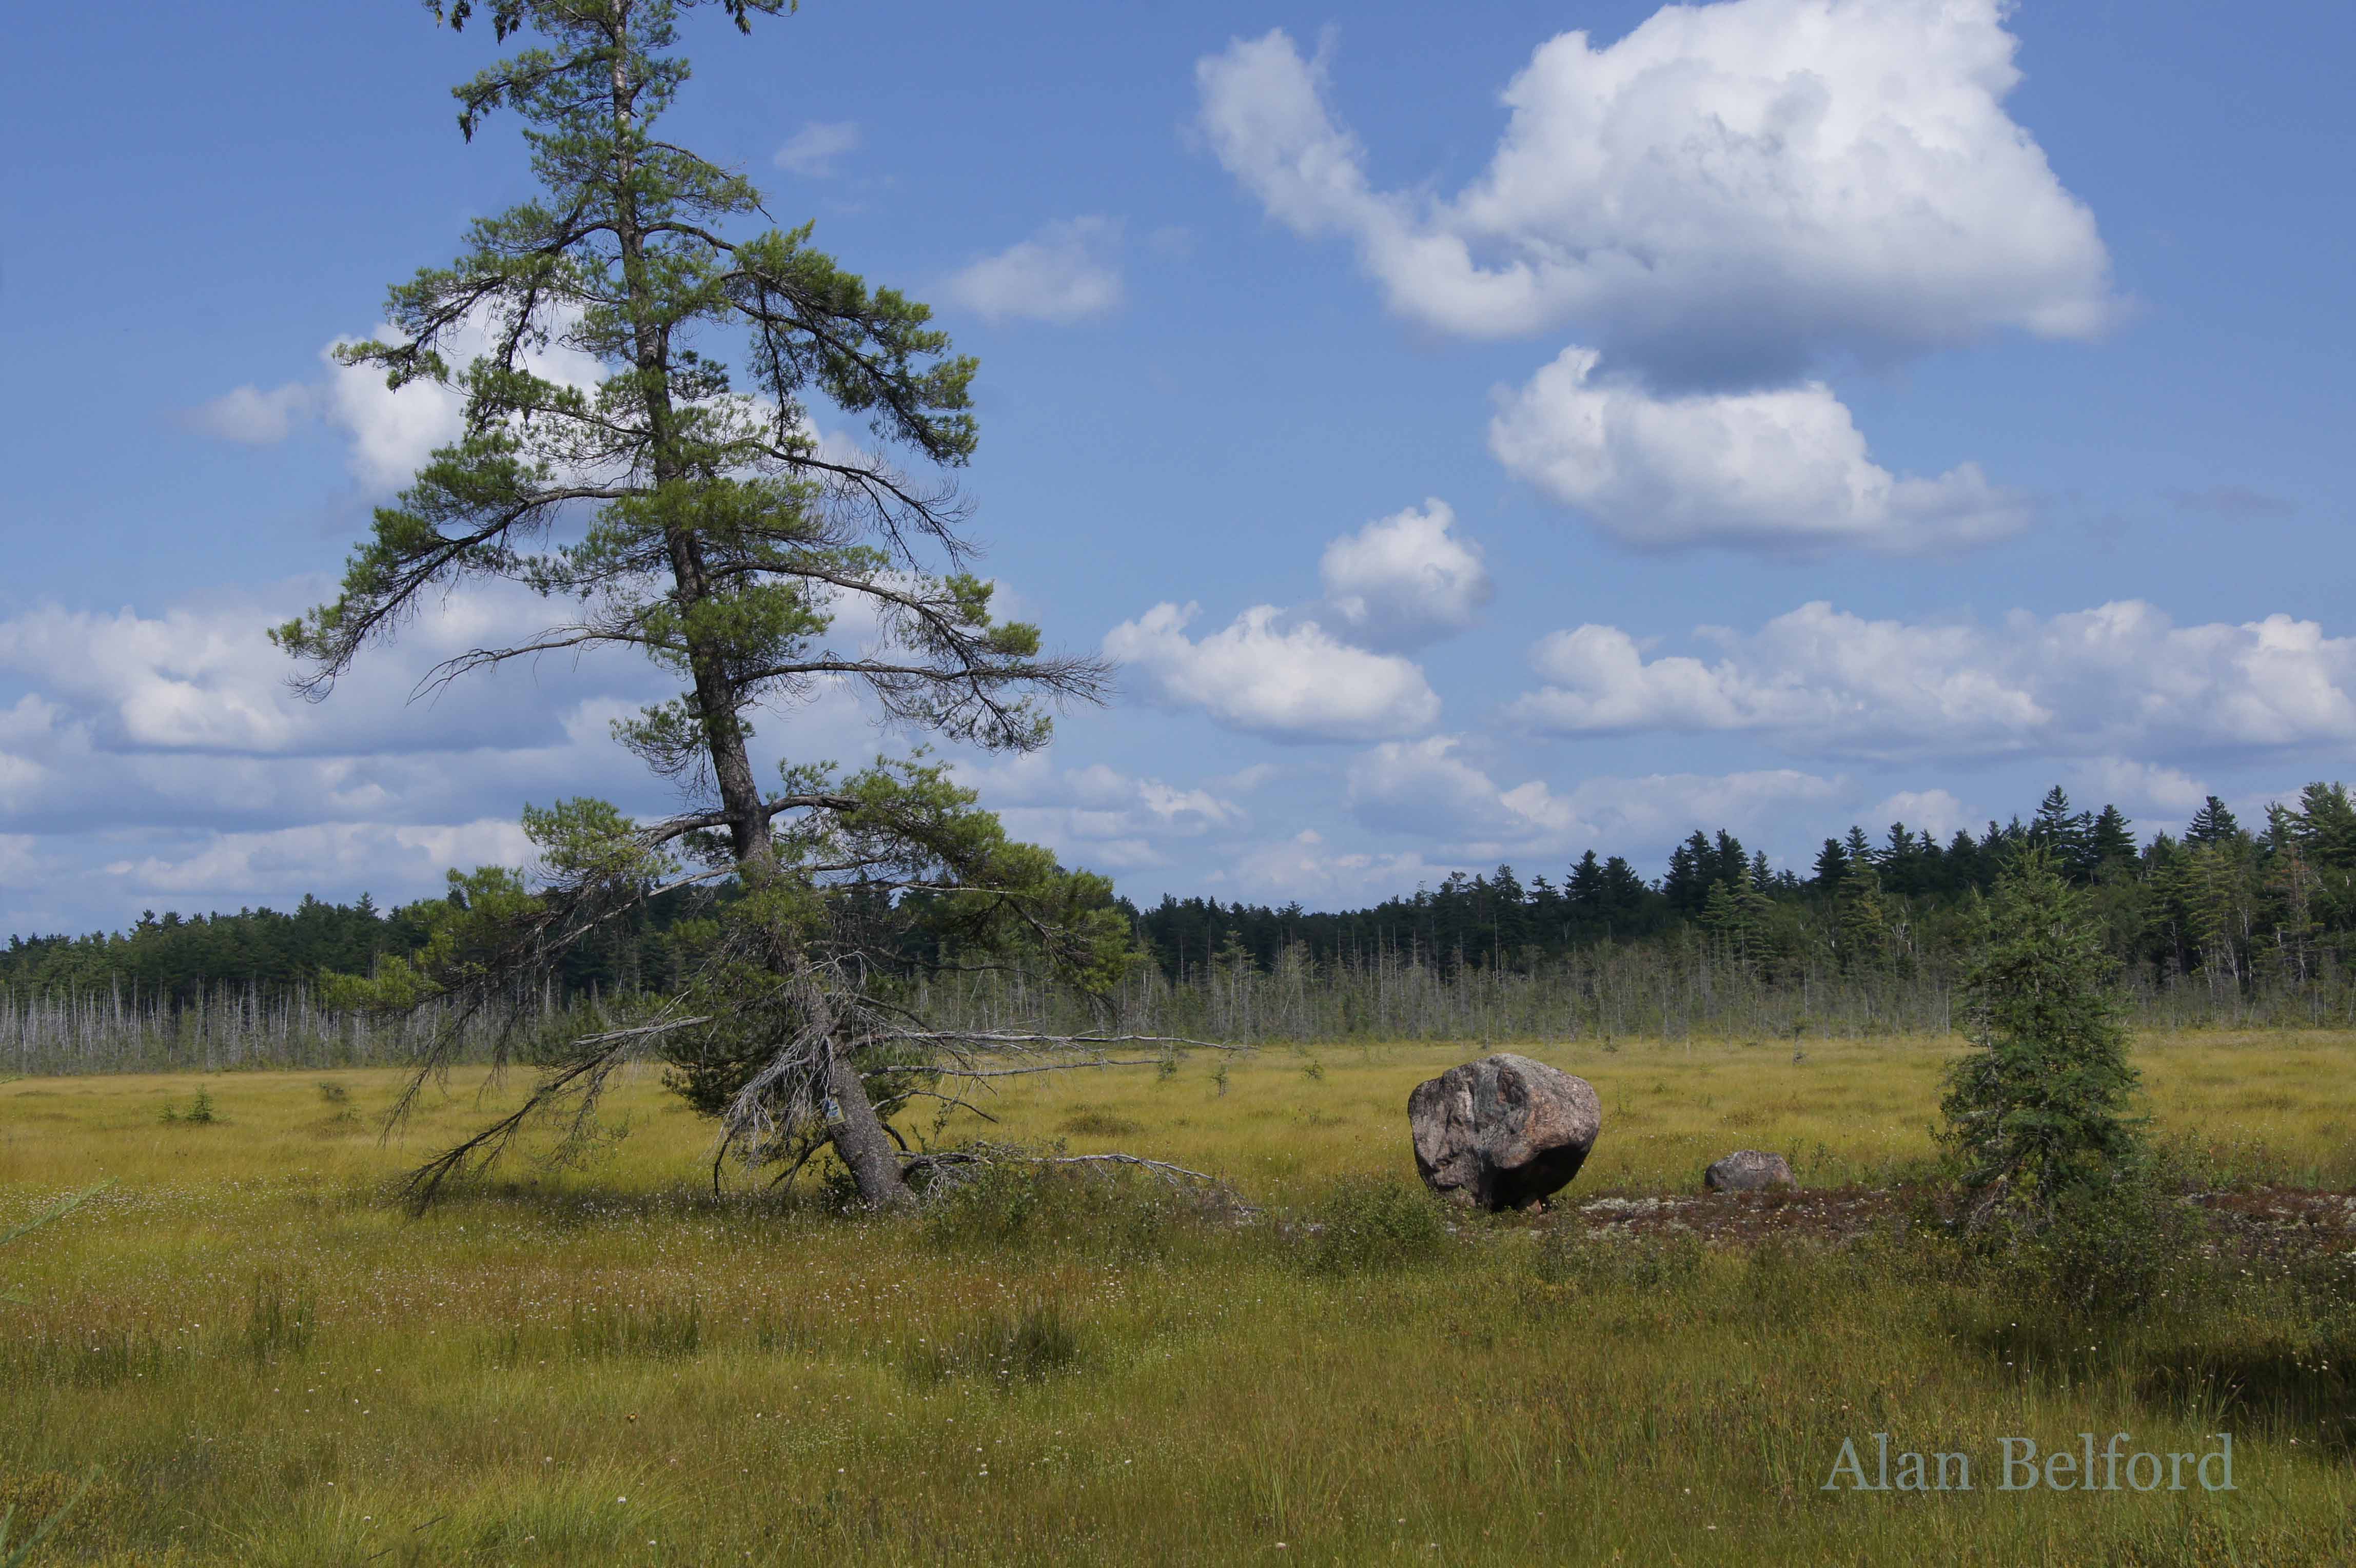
(1866, 936)
(2327, 826)
(1728, 860)
(1832, 866)
(704, 524)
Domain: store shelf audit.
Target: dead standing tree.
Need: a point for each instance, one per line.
(709, 527)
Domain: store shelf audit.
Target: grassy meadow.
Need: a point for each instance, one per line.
(266, 1361)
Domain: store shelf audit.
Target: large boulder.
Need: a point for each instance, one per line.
(1503, 1132)
(1748, 1170)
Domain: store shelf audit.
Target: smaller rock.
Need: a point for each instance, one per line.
(1748, 1170)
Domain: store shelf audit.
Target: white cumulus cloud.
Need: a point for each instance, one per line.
(2121, 680)
(1264, 676)
(1724, 192)
(1784, 467)
(1405, 579)
(1068, 272)
(1935, 812)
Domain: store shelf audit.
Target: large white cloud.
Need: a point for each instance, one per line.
(1068, 272)
(1264, 676)
(1405, 580)
(1724, 193)
(2121, 680)
(393, 433)
(324, 855)
(1784, 467)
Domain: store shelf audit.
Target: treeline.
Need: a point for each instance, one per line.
(2222, 923)
(175, 960)
(2221, 902)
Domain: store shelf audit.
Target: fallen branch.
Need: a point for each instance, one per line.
(986, 1037)
(1043, 1067)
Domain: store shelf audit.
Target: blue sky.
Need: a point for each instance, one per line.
(1565, 427)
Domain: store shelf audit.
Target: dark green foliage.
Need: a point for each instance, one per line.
(2040, 1111)
(200, 1110)
(2066, 836)
(2113, 840)
(2211, 825)
(2127, 1247)
(1367, 1224)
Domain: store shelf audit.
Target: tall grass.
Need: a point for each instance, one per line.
(271, 1366)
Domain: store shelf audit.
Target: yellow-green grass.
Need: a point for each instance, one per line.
(268, 1362)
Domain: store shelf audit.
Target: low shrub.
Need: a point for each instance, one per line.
(1017, 1203)
(1363, 1224)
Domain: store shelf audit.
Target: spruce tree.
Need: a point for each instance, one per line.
(1584, 888)
(2067, 835)
(2039, 1109)
(2114, 837)
(2213, 824)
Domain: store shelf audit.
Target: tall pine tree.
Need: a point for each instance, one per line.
(670, 509)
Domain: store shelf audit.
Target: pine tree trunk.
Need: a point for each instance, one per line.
(860, 1141)
(858, 1135)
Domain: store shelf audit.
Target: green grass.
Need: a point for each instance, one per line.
(269, 1363)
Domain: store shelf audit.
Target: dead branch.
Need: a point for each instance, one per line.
(988, 1037)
